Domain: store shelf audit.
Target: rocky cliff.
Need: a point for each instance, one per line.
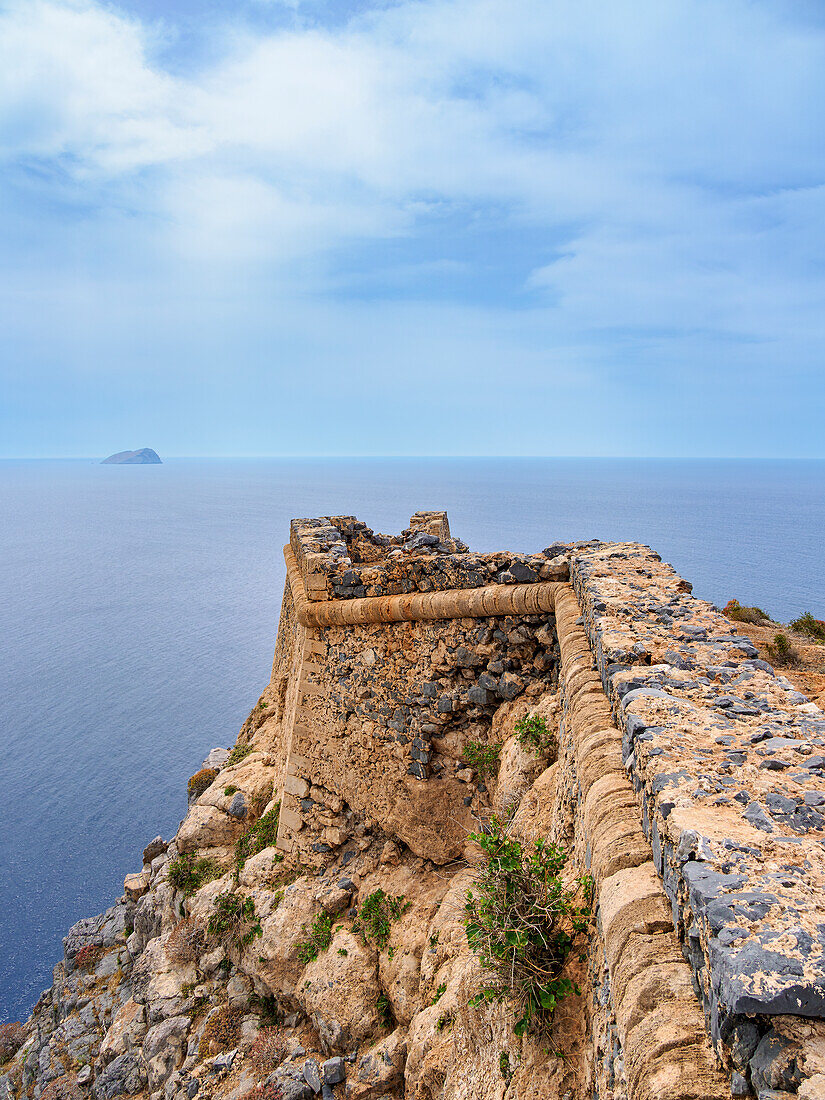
(500, 826)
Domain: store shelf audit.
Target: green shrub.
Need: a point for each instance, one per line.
(384, 1007)
(200, 781)
(521, 922)
(188, 872)
(262, 834)
(781, 651)
(482, 757)
(735, 611)
(438, 993)
(504, 1066)
(230, 790)
(238, 754)
(807, 624)
(376, 914)
(233, 922)
(532, 734)
(320, 937)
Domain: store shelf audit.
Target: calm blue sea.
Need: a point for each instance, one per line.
(139, 605)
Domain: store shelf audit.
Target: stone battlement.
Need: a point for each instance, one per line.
(696, 773)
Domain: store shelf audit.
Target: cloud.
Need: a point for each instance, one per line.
(613, 186)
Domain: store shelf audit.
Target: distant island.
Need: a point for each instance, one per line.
(145, 456)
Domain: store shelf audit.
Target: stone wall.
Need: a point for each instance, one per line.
(695, 775)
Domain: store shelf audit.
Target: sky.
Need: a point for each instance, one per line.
(450, 227)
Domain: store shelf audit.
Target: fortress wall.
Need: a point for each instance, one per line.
(647, 1027)
(697, 776)
(384, 714)
(727, 761)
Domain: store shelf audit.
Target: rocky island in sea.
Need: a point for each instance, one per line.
(499, 826)
(144, 457)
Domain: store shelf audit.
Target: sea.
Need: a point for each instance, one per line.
(139, 607)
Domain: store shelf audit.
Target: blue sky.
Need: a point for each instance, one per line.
(412, 227)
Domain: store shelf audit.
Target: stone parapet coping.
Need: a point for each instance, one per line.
(728, 761)
(660, 1022)
(463, 603)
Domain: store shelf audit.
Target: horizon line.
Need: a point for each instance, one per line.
(431, 457)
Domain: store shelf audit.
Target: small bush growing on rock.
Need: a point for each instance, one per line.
(377, 912)
(12, 1037)
(222, 1031)
(735, 611)
(89, 956)
(230, 790)
(188, 872)
(186, 942)
(384, 1008)
(233, 922)
(200, 781)
(807, 624)
(532, 734)
(262, 834)
(781, 652)
(320, 937)
(520, 921)
(482, 757)
(264, 1092)
(239, 753)
(267, 1052)
(63, 1088)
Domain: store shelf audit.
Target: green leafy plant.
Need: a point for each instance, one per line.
(444, 1020)
(532, 734)
(199, 782)
(807, 624)
(230, 790)
(239, 753)
(504, 1066)
(377, 913)
(521, 921)
(781, 651)
(384, 1008)
(482, 757)
(232, 921)
(319, 939)
(188, 872)
(261, 834)
(438, 993)
(267, 1007)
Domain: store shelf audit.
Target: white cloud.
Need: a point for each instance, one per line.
(671, 151)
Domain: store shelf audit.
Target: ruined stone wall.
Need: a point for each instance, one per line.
(691, 778)
(387, 715)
